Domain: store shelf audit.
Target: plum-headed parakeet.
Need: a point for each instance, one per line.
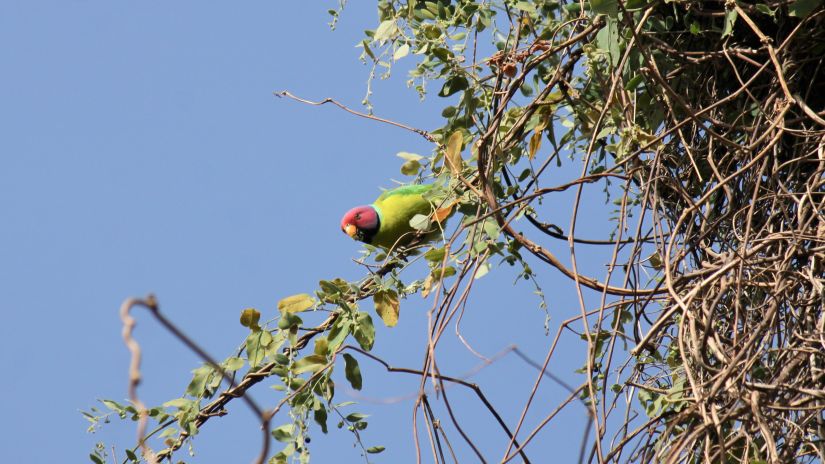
(386, 222)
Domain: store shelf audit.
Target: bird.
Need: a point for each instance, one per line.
(386, 222)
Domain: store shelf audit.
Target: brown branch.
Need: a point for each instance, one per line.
(151, 304)
(472, 386)
(423, 133)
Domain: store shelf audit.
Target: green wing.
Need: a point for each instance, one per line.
(395, 209)
(404, 190)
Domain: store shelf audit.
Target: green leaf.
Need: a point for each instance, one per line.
(409, 156)
(420, 222)
(608, 41)
(113, 405)
(431, 31)
(447, 271)
(130, 455)
(526, 6)
(410, 168)
(178, 403)
(765, 9)
(449, 111)
(635, 81)
(352, 371)
(635, 4)
(386, 30)
(435, 255)
(338, 333)
(288, 320)
(296, 303)
(575, 8)
(606, 7)
(233, 364)
(375, 449)
(387, 306)
(256, 344)
(802, 8)
(482, 270)
(401, 52)
(730, 20)
(330, 287)
(96, 459)
(491, 228)
(250, 318)
(357, 417)
(453, 85)
(320, 416)
(364, 332)
(283, 433)
(197, 386)
(312, 363)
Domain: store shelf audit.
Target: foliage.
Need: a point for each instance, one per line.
(701, 120)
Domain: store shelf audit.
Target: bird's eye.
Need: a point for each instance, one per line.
(357, 217)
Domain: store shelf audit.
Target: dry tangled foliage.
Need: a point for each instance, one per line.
(714, 115)
(736, 187)
(708, 118)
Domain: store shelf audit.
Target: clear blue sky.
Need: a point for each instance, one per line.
(142, 151)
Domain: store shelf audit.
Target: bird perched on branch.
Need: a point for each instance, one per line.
(386, 222)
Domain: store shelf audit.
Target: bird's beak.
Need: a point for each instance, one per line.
(350, 230)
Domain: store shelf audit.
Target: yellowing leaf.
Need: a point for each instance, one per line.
(313, 362)
(296, 303)
(453, 153)
(386, 305)
(250, 318)
(429, 285)
(443, 213)
(321, 346)
(535, 139)
(535, 144)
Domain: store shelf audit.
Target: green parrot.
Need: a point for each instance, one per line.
(386, 222)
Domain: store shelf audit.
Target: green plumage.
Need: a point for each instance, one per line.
(395, 209)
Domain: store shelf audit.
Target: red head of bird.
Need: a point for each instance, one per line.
(361, 223)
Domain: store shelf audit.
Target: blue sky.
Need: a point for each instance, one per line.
(143, 151)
